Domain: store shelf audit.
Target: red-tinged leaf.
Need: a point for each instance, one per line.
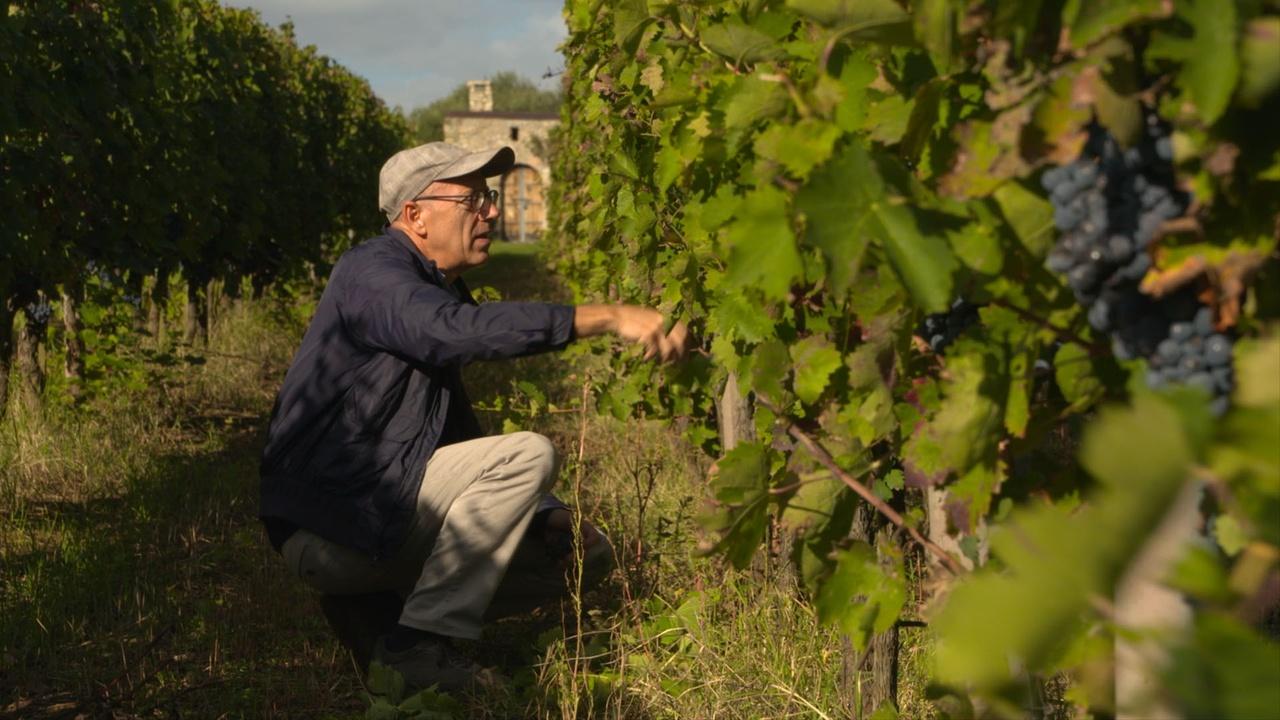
(987, 155)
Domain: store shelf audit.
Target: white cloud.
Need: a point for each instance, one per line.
(414, 51)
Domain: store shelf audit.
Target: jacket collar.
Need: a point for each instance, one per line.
(428, 266)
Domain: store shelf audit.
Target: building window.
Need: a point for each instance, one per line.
(515, 133)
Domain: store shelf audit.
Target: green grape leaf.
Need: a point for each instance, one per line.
(736, 317)
(874, 208)
(1210, 62)
(1224, 669)
(1029, 215)
(861, 596)
(1257, 383)
(969, 497)
(935, 28)
(651, 77)
(1259, 61)
(1057, 132)
(963, 432)
(868, 416)
(1244, 450)
(879, 20)
(977, 246)
(923, 261)
(1202, 574)
(1017, 406)
(1076, 376)
(762, 248)
(811, 503)
(988, 155)
(856, 74)
(814, 360)
(1096, 19)
(1230, 536)
(1056, 560)
(888, 117)
(630, 18)
(741, 502)
(927, 120)
(830, 225)
(751, 100)
(741, 43)
(719, 208)
(798, 147)
(769, 365)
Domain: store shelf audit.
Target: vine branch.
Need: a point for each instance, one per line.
(824, 457)
(1037, 320)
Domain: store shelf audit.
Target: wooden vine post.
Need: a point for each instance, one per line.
(30, 371)
(74, 341)
(734, 418)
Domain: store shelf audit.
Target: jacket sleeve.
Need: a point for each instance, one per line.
(389, 307)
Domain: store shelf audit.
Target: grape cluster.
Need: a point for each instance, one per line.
(1108, 205)
(941, 329)
(1194, 354)
(39, 312)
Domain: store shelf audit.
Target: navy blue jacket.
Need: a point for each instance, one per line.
(376, 387)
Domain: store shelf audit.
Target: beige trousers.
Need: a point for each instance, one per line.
(466, 558)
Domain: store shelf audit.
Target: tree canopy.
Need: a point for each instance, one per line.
(511, 93)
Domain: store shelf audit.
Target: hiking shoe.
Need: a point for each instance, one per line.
(432, 662)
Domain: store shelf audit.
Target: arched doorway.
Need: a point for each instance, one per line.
(524, 211)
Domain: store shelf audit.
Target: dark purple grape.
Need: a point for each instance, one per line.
(1137, 267)
(1100, 315)
(1053, 177)
(1217, 351)
(1223, 379)
(1202, 380)
(1204, 321)
(1169, 351)
(941, 329)
(1119, 249)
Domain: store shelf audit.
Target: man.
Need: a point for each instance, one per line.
(376, 477)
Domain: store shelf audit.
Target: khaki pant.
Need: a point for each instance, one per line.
(466, 558)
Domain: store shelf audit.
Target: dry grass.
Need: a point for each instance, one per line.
(135, 577)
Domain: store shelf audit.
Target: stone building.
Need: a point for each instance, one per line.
(524, 210)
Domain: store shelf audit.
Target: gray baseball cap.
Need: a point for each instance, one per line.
(408, 172)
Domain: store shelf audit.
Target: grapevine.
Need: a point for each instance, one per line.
(814, 183)
(130, 112)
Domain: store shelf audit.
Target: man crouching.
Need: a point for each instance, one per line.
(377, 481)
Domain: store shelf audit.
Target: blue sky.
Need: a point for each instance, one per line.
(415, 51)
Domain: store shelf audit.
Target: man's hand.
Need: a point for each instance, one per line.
(636, 324)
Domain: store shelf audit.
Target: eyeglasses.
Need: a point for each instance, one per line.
(477, 201)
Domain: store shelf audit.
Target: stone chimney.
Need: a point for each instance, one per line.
(479, 96)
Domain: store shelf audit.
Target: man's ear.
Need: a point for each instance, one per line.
(412, 216)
